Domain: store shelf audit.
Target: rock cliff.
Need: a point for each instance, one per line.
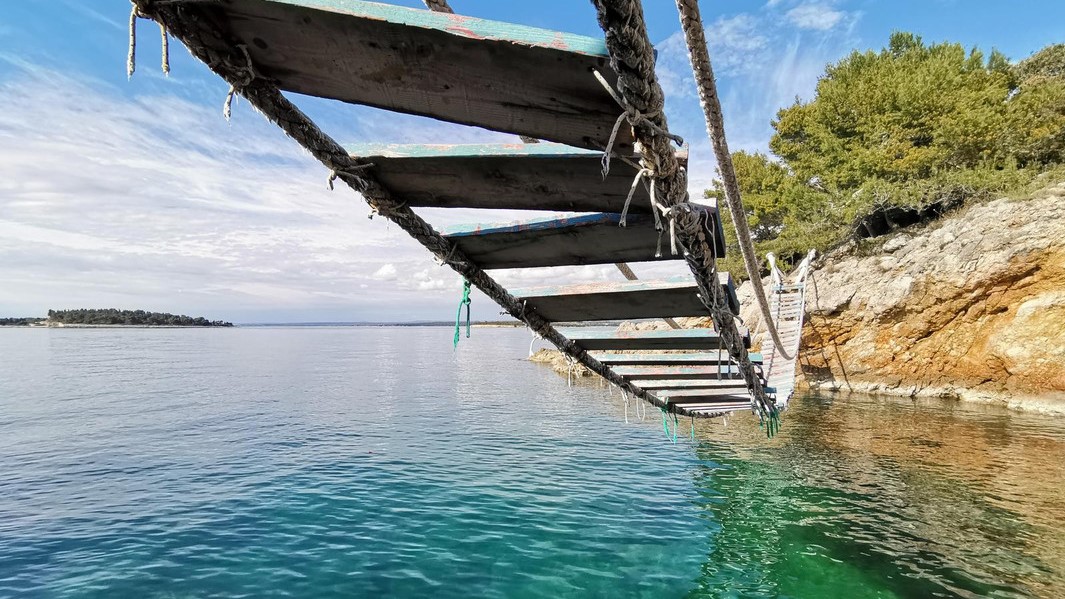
(972, 306)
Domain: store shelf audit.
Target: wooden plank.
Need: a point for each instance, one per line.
(615, 300)
(602, 338)
(635, 373)
(703, 396)
(569, 241)
(543, 176)
(499, 76)
(669, 359)
(588, 239)
(714, 408)
(735, 385)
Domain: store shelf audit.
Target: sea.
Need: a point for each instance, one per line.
(384, 462)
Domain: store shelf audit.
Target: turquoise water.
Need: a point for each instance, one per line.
(340, 462)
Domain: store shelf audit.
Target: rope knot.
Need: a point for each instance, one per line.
(631, 114)
(247, 76)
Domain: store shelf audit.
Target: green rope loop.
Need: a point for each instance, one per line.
(772, 423)
(465, 301)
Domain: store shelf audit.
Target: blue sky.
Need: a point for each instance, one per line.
(138, 194)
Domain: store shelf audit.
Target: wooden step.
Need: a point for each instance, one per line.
(614, 301)
(669, 359)
(543, 176)
(586, 239)
(713, 408)
(620, 300)
(735, 385)
(703, 396)
(718, 371)
(495, 75)
(604, 338)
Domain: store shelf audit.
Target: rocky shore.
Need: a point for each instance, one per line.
(971, 306)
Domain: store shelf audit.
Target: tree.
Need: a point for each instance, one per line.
(900, 114)
(896, 136)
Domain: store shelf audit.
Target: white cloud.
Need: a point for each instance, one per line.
(155, 202)
(385, 273)
(815, 15)
(762, 61)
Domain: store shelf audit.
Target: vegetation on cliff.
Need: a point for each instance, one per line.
(112, 316)
(895, 137)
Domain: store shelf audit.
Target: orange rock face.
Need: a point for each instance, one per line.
(974, 307)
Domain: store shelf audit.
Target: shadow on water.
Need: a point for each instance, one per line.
(885, 498)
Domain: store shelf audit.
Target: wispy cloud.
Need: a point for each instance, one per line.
(159, 203)
(155, 202)
(815, 15)
(764, 60)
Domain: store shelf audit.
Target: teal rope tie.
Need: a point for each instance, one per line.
(665, 425)
(693, 429)
(465, 301)
(770, 423)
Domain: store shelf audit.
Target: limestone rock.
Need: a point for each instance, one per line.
(972, 307)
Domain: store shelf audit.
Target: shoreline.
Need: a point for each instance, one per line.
(1051, 403)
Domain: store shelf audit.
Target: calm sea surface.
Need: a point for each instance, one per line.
(362, 462)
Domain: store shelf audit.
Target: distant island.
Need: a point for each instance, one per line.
(113, 317)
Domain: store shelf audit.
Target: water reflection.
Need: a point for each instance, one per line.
(885, 498)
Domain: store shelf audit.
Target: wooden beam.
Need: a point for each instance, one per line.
(609, 338)
(615, 300)
(703, 396)
(545, 176)
(734, 385)
(668, 359)
(499, 76)
(719, 371)
(588, 239)
(714, 408)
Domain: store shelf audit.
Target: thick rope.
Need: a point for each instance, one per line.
(196, 26)
(633, 58)
(438, 6)
(694, 34)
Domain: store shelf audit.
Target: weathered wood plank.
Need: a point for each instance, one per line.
(669, 359)
(735, 385)
(544, 176)
(714, 408)
(703, 396)
(616, 300)
(716, 371)
(589, 239)
(455, 68)
(609, 338)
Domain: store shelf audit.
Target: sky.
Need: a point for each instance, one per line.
(138, 194)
